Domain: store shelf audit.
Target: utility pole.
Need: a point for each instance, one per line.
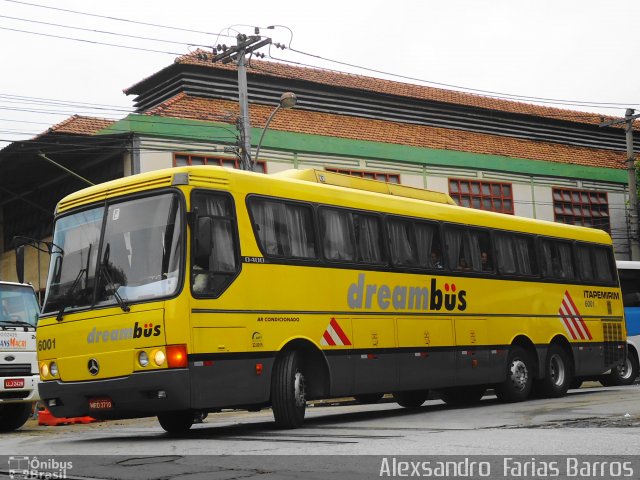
(245, 45)
(629, 117)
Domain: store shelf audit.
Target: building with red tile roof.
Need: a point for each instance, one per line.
(486, 152)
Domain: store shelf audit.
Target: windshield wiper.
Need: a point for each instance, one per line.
(20, 323)
(66, 299)
(123, 305)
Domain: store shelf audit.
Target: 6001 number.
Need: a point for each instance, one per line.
(48, 344)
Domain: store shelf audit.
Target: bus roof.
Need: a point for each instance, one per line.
(329, 188)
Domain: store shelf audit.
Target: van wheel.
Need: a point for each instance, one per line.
(411, 399)
(557, 373)
(517, 385)
(14, 415)
(288, 391)
(369, 397)
(624, 374)
(176, 422)
(462, 396)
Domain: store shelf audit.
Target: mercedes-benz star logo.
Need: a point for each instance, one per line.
(93, 366)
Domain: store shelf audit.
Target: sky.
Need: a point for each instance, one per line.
(574, 54)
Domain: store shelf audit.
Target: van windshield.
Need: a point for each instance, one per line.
(126, 251)
(18, 306)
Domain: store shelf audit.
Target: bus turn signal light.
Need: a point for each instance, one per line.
(176, 356)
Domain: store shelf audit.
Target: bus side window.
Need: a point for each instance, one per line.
(368, 238)
(603, 264)
(402, 243)
(214, 254)
(284, 229)
(516, 254)
(583, 262)
(557, 259)
(429, 245)
(338, 238)
(464, 247)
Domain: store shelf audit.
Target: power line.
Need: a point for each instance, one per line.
(105, 32)
(22, 121)
(458, 87)
(115, 18)
(88, 41)
(68, 102)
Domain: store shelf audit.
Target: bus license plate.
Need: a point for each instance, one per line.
(102, 403)
(13, 383)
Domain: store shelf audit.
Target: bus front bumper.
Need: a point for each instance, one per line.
(142, 394)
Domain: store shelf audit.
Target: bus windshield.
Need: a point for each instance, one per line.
(123, 252)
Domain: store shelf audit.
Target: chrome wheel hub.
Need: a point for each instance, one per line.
(519, 374)
(299, 392)
(557, 370)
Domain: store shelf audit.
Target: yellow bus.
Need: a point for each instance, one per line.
(183, 291)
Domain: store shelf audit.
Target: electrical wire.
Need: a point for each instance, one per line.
(488, 94)
(94, 42)
(118, 19)
(494, 94)
(105, 32)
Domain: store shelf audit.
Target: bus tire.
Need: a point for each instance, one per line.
(14, 415)
(369, 397)
(288, 398)
(519, 379)
(557, 373)
(463, 396)
(412, 399)
(176, 422)
(624, 374)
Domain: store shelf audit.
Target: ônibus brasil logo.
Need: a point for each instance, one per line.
(364, 295)
(117, 334)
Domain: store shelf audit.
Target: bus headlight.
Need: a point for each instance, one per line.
(53, 369)
(159, 357)
(143, 358)
(44, 370)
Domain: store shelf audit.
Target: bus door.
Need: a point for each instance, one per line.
(427, 359)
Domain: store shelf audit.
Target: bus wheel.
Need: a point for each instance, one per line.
(517, 385)
(411, 399)
(624, 374)
(461, 396)
(369, 397)
(288, 391)
(14, 415)
(557, 373)
(176, 422)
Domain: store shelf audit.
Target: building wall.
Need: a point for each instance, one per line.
(532, 193)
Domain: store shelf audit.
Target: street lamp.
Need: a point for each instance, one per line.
(287, 100)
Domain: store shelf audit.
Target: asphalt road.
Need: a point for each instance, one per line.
(342, 439)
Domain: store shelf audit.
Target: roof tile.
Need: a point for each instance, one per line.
(382, 86)
(80, 125)
(356, 128)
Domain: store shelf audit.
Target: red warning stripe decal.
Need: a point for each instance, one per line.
(573, 322)
(334, 335)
